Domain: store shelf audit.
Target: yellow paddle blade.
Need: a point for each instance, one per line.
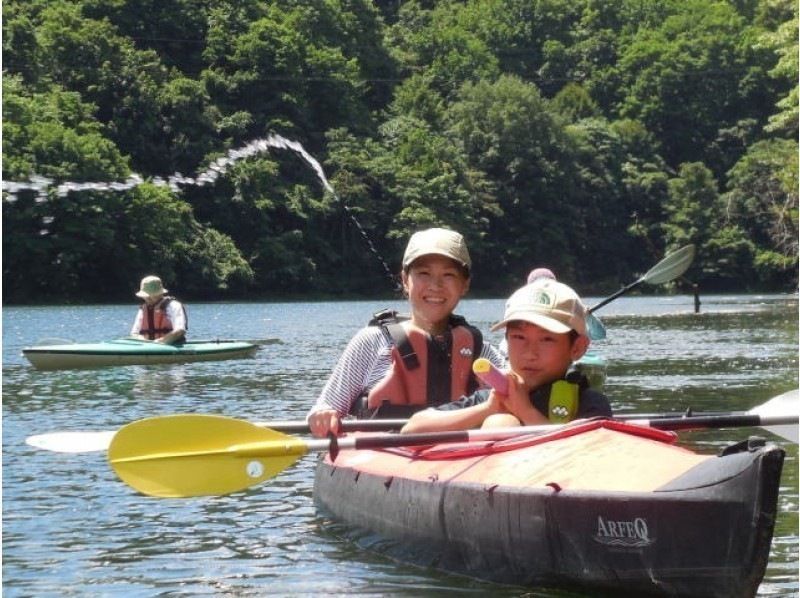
(199, 455)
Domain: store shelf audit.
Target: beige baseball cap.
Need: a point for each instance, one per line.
(438, 241)
(150, 285)
(547, 303)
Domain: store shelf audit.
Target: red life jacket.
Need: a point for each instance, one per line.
(155, 322)
(426, 371)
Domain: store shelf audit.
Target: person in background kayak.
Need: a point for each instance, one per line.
(545, 326)
(397, 367)
(161, 318)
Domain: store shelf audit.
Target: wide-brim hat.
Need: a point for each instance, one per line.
(546, 303)
(437, 241)
(150, 286)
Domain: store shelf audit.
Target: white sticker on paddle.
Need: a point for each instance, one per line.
(255, 469)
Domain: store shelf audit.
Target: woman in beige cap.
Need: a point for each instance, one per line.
(397, 366)
(161, 318)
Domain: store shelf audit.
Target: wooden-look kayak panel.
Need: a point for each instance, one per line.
(598, 459)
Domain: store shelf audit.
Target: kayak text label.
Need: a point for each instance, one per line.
(631, 533)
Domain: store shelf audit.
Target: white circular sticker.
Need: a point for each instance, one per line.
(255, 469)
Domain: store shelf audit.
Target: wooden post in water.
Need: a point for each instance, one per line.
(696, 298)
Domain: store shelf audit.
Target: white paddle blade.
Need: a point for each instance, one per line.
(72, 442)
(595, 328)
(786, 404)
(671, 267)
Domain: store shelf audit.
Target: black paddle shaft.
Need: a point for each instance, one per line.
(610, 298)
(719, 421)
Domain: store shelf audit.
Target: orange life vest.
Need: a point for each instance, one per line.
(155, 322)
(426, 371)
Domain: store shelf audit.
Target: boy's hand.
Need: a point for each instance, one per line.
(496, 403)
(518, 402)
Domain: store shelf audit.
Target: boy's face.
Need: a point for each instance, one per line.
(435, 285)
(541, 356)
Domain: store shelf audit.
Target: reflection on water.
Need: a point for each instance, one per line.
(71, 528)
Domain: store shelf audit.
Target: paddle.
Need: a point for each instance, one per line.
(199, 455)
(595, 329)
(669, 268)
(206, 341)
(96, 441)
(780, 405)
(89, 441)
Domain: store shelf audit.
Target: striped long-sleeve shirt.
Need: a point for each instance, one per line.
(364, 362)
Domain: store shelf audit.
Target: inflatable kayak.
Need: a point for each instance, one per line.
(600, 506)
(133, 352)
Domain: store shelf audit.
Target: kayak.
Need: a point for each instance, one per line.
(133, 352)
(593, 365)
(603, 506)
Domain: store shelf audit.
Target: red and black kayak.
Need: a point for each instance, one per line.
(602, 505)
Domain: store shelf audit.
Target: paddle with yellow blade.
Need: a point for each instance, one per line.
(199, 455)
(88, 441)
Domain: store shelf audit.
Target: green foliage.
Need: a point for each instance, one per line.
(784, 41)
(696, 74)
(157, 232)
(507, 132)
(573, 102)
(763, 201)
(586, 135)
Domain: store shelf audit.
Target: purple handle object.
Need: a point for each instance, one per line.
(489, 374)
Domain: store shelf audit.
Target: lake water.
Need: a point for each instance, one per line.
(70, 528)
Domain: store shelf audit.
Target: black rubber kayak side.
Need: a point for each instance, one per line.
(707, 533)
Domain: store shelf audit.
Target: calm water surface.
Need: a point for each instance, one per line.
(71, 529)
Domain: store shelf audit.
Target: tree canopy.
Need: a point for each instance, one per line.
(589, 136)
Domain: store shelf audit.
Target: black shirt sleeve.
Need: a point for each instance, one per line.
(593, 404)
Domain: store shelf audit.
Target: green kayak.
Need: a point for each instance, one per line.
(133, 352)
(593, 366)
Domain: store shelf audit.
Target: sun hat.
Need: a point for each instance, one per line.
(538, 273)
(437, 241)
(150, 286)
(547, 303)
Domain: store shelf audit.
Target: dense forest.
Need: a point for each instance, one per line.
(590, 136)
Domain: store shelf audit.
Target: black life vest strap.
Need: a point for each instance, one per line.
(404, 347)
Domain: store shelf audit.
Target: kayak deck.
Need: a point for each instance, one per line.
(133, 352)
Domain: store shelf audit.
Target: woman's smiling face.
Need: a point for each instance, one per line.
(435, 285)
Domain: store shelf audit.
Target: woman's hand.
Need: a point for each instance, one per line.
(322, 422)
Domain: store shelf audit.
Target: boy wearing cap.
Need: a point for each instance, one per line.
(161, 318)
(545, 326)
(399, 366)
